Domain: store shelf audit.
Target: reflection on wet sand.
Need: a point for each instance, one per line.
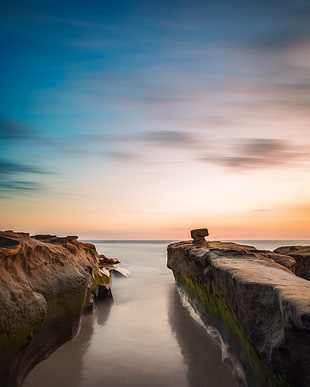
(201, 353)
(65, 366)
(103, 310)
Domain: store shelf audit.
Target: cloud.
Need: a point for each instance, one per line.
(10, 186)
(19, 185)
(10, 173)
(8, 167)
(183, 76)
(155, 138)
(291, 25)
(18, 142)
(182, 81)
(264, 147)
(121, 156)
(12, 130)
(167, 138)
(279, 40)
(252, 154)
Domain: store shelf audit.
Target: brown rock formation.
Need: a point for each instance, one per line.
(104, 260)
(301, 254)
(46, 281)
(261, 308)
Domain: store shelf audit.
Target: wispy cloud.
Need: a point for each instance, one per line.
(291, 26)
(13, 177)
(8, 167)
(8, 186)
(168, 138)
(121, 156)
(156, 138)
(13, 131)
(259, 154)
(21, 150)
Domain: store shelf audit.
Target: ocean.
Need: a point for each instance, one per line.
(148, 335)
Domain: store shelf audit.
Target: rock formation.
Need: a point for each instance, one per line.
(46, 282)
(301, 254)
(104, 260)
(260, 307)
(199, 235)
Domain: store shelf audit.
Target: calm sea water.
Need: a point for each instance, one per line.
(147, 336)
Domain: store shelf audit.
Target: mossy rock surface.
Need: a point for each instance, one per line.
(214, 309)
(261, 308)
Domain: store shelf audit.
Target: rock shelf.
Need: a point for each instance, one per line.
(255, 300)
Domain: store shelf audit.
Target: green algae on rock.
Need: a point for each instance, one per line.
(46, 283)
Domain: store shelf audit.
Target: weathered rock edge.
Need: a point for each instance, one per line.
(46, 282)
(261, 308)
(301, 254)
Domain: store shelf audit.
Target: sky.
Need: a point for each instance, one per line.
(146, 119)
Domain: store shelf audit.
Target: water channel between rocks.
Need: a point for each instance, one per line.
(144, 337)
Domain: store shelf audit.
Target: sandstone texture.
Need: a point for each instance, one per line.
(253, 297)
(301, 254)
(46, 282)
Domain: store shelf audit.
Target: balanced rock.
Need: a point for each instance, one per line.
(198, 235)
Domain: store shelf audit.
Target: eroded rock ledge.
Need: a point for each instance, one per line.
(253, 297)
(46, 282)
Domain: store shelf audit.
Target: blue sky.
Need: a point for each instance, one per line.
(146, 118)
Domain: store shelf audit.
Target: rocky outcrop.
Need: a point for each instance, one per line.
(46, 282)
(260, 307)
(301, 254)
(105, 261)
